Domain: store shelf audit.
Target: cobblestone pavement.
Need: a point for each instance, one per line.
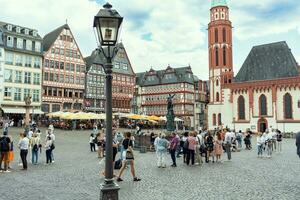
(75, 176)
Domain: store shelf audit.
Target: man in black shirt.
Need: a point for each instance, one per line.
(4, 152)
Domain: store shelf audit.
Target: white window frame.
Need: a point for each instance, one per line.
(29, 45)
(10, 41)
(19, 43)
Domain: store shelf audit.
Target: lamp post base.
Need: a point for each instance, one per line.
(109, 191)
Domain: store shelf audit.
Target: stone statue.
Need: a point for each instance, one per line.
(170, 114)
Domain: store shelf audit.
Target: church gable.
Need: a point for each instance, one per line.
(268, 62)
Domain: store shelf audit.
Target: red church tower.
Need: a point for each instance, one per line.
(220, 50)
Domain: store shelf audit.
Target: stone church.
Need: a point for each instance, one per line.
(265, 93)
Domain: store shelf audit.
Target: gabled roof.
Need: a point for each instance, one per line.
(178, 75)
(50, 38)
(268, 62)
(98, 58)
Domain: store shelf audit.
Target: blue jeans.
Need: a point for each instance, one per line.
(260, 150)
(34, 157)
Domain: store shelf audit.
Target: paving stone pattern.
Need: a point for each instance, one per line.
(75, 176)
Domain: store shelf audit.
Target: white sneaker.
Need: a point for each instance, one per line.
(53, 161)
(7, 171)
(1, 171)
(20, 164)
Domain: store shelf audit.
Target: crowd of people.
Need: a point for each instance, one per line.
(30, 144)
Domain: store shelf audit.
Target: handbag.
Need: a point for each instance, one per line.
(129, 154)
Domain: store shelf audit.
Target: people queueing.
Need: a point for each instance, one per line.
(5, 145)
(34, 146)
(24, 145)
(128, 157)
(161, 151)
(218, 147)
(209, 142)
(184, 146)
(227, 143)
(191, 144)
(279, 140)
(260, 145)
(173, 146)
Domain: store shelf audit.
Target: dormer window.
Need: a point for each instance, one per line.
(18, 29)
(26, 31)
(34, 33)
(9, 27)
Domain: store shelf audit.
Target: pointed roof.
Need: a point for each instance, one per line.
(215, 3)
(50, 38)
(268, 62)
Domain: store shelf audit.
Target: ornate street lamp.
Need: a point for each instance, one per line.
(107, 24)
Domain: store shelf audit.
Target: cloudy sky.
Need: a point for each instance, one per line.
(157, 33)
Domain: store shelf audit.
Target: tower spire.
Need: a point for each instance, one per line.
(215, 3)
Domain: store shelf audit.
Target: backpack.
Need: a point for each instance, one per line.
(210, 142)
(118, 164)
(35, 148)
(4, 145)
(186, 144)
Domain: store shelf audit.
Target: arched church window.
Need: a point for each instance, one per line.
(287, 106)
(217, 56)
(263, 105)
(224, 34)
(241, 108)
(216, 35)
(217, 96)
(219, 119)
(224, 55)
(214, 119)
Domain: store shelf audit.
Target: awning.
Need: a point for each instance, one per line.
(20, 110)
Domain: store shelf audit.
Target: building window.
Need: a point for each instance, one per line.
(29, 45)
(217, 82)
(56, 64)
(46, 63)
(28, 60)
(17, 96)
(37, 46)
(124, 66)
(9, 41)
(55, 107)
(9, 58)
(117, 65)
(27, 78)
(263, 105)
(224, 35)
(216, 35)
(62, 65)
(36, 96)
(8, 75)
(7, 92)
(36, 79)
(19, 43)
(45, 108)
(68, 66)
(26, 93)
(77, 68)
(37, 62)
(19, 60)
(241, 108)
(217, 56)
(18, 77)
(224, 55)
(217, 96)
(46, 76)
(72, 67)
(214, 119)
(288, 109)
(299, 104)
(219, 119)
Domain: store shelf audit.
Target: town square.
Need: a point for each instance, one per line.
(149, 100)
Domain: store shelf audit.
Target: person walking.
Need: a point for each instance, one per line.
(260, 145)
(48, 148)
(192, 142)
(128, 157)
(218, 147)
(184, 146)
(198, 148)
(279, 140)
(161, 151)
(173, 146)
(239, 138)
(298, 143)
(5, 144)
(92, 143)
(34, 143)
(100, 144)
(24, 145)
(227, 142)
